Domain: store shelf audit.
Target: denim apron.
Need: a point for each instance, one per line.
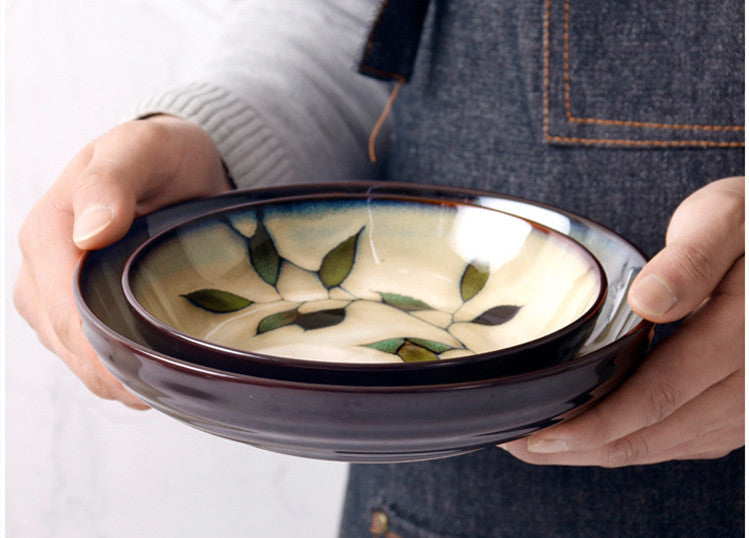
(612, 109)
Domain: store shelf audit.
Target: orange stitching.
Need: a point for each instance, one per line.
(605, 141)
(547, 68)
(653, 125)
(567, 100)
(657, 143)
(659, 125)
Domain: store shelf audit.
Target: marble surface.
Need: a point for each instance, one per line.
(78, 466)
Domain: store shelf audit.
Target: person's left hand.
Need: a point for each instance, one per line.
(686, 400)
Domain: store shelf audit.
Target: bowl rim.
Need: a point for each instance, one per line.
(312, 366)
(88, 317)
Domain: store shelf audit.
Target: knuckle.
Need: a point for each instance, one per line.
(25, 237)
(21, 301)
(149, 134)
(98, 386)
(605, 429)
(61, 322)
(35, 227)
(628, 450)
(95, 176)
(696, 263)
(47, 339)
(732, 203)
(663, 399)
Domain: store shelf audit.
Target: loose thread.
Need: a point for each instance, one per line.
(382, 118)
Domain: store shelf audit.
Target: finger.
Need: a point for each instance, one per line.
(43, 294)
(121, 169)
(79, 356)
(704, 239)
(706, 349)
(138, 167)
(26, 299)
(712, 445)
(712, 423)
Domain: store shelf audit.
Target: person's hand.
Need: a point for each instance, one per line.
(133, 169)
(686, 400)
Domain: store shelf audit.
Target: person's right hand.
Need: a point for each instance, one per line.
(133, 169)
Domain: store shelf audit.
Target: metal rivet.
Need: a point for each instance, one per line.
(380, 522)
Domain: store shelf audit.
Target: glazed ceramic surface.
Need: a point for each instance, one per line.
(365, 279)
(360, 423)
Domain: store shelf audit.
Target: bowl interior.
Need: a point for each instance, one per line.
(100, 299)
(369, 279)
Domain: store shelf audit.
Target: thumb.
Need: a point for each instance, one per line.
(704, 239)
(126, 166)
(140, 166)
(103, 205)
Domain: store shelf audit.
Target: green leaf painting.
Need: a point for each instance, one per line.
(473, 280)
(276, 321)
(335, 267)
(391, 345)
(321, 319)
(411, 349)
(436, 347)
(411, 352)
(217, 301)
(308, 321)
(263, 254)
(404, 302)
(337, 264)
(497, 315)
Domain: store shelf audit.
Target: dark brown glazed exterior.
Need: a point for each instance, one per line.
(336, 422)
(367, 424)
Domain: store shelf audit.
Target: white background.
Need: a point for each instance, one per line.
(77, 466)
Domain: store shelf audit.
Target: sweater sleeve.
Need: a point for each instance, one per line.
(282, 98)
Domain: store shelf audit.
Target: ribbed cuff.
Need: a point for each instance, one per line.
(247, 145)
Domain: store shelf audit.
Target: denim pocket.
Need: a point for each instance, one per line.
(644, 74)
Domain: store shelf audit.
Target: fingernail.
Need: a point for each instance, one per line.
(548, 446)
(653, 295)
(91, 222)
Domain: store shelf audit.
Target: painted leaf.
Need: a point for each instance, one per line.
(321, 319)
(337, 264)
(431, 345)
(411, 352)
(277, 320)
(404, 302)
(497, 315)
(391, 345)
(218, 301)
(474, 277)
(263, 255)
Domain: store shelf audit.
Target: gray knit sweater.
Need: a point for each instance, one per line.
(281, 97)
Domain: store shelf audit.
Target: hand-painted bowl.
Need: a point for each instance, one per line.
(370, 290)
(363, 423)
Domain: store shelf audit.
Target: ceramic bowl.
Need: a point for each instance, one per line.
(363, 423)
(369, 290)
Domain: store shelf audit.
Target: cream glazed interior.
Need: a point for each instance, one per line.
(364, 280)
